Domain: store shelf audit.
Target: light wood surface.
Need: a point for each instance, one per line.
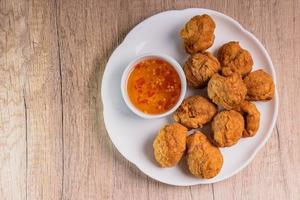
(53, 143)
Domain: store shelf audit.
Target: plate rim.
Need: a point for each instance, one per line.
(276, 99)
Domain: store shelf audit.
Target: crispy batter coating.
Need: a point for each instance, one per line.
(260, 86)
(228, 92)
(234, 59)
(227, 128)
(195, 111)
(251, 116)
(198, 33)
(169, 145)
(199, 68)
(204, 160)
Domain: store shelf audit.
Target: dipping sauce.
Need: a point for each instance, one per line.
(153, 86)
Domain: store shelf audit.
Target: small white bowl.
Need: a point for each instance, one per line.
(127, 72)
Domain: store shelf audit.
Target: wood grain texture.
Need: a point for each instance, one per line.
(53, 143)
(43, 103)
(12, 105)
(31, 159)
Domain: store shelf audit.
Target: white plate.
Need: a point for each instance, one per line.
(133, 136)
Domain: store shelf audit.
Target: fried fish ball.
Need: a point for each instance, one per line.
(199, 68)
(227, 128)
(251, 116)
(204, 159)
(195, 111)
(260, 86)
(198, 33)
(234, 59)
(228, 92)
(169, 145)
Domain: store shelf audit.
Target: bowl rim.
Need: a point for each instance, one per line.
(129, 69)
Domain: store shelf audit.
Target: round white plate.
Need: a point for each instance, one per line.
(133, 136)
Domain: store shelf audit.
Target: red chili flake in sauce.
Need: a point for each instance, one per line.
(154, 86)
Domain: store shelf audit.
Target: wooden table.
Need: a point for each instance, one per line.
(53, 143)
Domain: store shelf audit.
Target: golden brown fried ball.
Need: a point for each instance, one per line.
(169, 145)
(251, 116)
(195, 111)
(204, 160)
(260, 86)
(227, 128)
(199, 68)
(234, 59)
(198, 33)
(228, 92)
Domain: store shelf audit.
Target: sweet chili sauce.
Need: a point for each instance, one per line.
(153, 86)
